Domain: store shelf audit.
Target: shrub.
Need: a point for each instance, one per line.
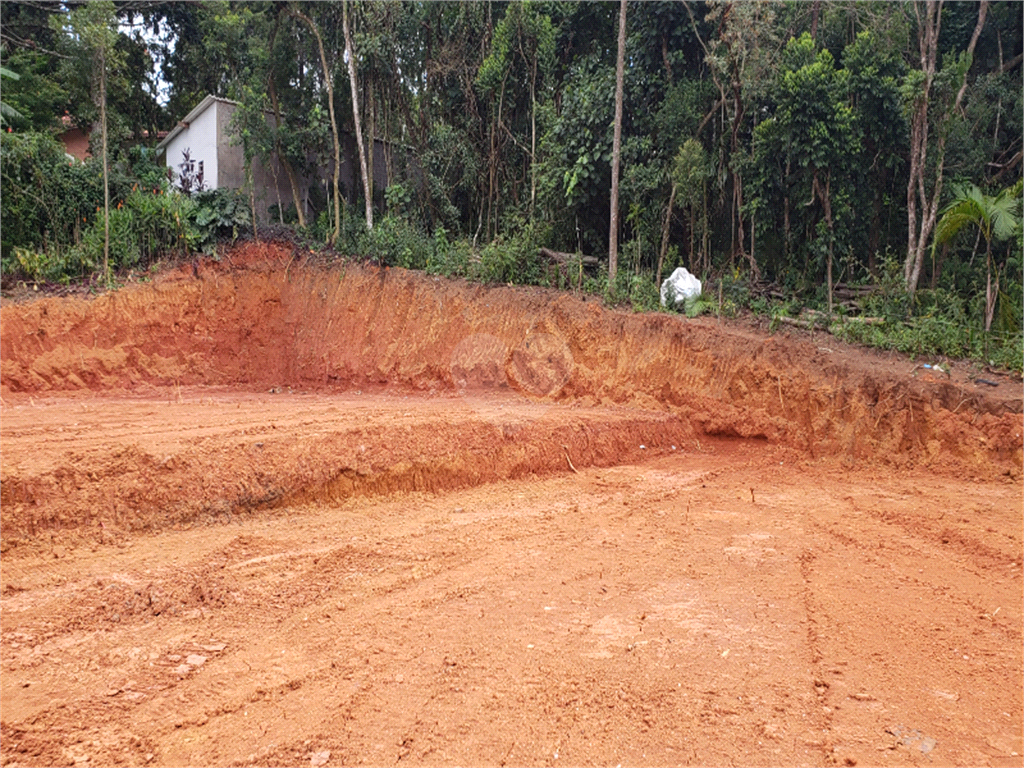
(41, 266)
(218, 214)
(644, 294)
(143, 226)
(397, 243)
(48, 199)
(449, 259)
(513, 258)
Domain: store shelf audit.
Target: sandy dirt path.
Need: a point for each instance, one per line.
(726, 602)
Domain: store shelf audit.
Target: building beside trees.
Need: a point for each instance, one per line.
(203, 152)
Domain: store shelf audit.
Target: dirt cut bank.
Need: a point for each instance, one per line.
(261, 319)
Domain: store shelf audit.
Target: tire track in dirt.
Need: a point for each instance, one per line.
(851, 634)
(454, 628)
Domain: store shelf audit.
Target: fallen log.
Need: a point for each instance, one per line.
(812, 319)
(823, 316)
(560, 257)
(855, 290)
(794, 321)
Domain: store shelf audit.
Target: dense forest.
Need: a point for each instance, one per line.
(861, 158)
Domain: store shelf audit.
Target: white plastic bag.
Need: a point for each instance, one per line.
(681, 285)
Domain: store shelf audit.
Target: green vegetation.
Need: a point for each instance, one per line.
(774, 149)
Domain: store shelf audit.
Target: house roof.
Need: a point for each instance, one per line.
(201, 107)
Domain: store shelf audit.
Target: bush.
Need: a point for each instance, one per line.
(945, 329)
(449, 259)
(47, 198)
(42, 267)
(142, 227)
(644, 294)
(513, 258)
(218, 214)
(397, 243)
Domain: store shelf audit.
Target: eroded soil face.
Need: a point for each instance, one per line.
(268, 514)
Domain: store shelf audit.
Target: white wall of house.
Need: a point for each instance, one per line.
(200, 137)
(206, 133)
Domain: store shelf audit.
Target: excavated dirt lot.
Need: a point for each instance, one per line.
(269, 512)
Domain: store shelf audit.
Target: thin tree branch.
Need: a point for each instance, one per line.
(29, 45)
(982, 12)
(1006, 67)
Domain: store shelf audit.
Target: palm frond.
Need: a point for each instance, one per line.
(1005, 213)
(959, 214)
(6, 110)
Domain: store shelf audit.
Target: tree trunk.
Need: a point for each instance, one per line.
(875, 231)
(371, 116)
(613, 229)
(693, 224)
(289, 172)
(252, 200)
(277, 194)
(533, 136)
(786, 228)
(928, 36)
(990, 294)
(705, 233)
(825, 196)
(664, 236)
(329, 83)
(351, 53)
(737, 179)
(106, 164)
(918, 233)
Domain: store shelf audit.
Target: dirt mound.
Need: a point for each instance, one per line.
(262, 318)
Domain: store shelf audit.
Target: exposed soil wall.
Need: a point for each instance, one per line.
(123, 464)
(263, 318)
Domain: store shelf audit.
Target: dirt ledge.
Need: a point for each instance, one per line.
(263, 318)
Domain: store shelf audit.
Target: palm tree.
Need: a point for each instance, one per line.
(996, 217)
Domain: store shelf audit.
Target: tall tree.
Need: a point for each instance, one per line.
(874, 68)
(350, 56)
(613, 229)
(329, 85)
(919, 87)
(522, 54)
(93, 28)
(279, 126)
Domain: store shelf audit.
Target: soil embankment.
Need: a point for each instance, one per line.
(259, 319)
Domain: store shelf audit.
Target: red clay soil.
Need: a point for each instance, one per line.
(266, 512)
